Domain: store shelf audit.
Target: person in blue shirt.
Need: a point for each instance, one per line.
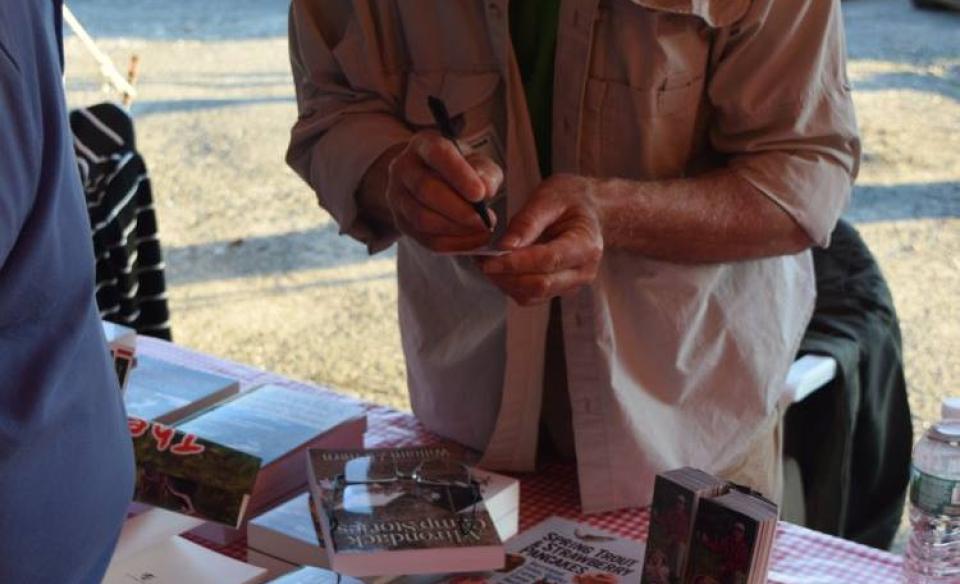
(66, 462)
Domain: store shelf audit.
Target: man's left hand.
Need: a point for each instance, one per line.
(556, 242)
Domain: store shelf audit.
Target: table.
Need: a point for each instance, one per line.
(800, 555)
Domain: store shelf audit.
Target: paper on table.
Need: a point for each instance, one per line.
(150, 528)
(480, 251)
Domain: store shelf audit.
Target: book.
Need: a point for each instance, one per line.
(288, 534)
(176, 561)
(732, 538)
(185, 473)
(122, 342)
(311, 575)
(402, 511)
(167, 393)
(555, 551)
(276, 424)
(676, 498)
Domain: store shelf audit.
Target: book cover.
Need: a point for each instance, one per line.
(402, 511)
(270, 421)
(559, 550)
(166, 392)
(188, 474)
(676, 497)
(177, 561)
(732, 538)
(122, 342)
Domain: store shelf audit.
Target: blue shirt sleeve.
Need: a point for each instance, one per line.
(19, 151)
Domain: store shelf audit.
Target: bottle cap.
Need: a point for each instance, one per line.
(950, 408)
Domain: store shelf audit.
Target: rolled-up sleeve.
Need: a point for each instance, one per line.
(345, 122)
(784, 113)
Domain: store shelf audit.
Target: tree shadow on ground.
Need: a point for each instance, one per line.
(316, 248)
(875, 203)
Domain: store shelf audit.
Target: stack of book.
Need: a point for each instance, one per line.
(276, 424)
(704, 530)
(286, 536)
(420, 510)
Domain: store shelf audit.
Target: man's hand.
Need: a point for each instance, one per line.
(556, 242)
(429, 190)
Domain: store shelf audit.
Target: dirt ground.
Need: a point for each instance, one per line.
(257, 272)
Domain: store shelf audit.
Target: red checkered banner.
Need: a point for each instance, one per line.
(800, 556)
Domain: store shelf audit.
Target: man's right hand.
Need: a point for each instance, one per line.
(430, 188)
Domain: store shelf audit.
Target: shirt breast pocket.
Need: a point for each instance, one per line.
(641, 133)
(468, 94)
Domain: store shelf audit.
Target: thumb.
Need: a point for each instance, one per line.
(531, 221)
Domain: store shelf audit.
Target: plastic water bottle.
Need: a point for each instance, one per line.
(933, 552)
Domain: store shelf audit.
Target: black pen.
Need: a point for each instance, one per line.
(442, 118)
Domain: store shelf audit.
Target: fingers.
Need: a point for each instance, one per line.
(530, 223)
(572, 249)
(430, 191)
(489, 172)
(441, 156)
(542, 271)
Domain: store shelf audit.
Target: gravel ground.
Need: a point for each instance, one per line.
(258, 274)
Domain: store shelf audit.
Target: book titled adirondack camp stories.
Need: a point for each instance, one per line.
(402, 511)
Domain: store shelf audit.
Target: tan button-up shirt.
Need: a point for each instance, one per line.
(667, 364)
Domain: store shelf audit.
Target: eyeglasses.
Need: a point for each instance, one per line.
(435, 480)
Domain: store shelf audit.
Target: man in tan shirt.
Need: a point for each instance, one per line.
(699, 148)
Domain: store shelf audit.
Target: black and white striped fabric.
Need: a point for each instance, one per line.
(131, 288)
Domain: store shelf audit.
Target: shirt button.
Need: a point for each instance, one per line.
(494, 10)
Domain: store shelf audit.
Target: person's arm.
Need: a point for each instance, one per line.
(378, 179)
(784, 119)
(19, 143)
(345, 122)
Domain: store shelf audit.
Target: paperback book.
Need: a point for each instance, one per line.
(732, 538)
(704, 530)
(402, 511)
(285, 536)
(166, 393)
(185, 473)
(676, 498)
(276, 424)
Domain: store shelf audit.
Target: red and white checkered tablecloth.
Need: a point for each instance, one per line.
(800, 555)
